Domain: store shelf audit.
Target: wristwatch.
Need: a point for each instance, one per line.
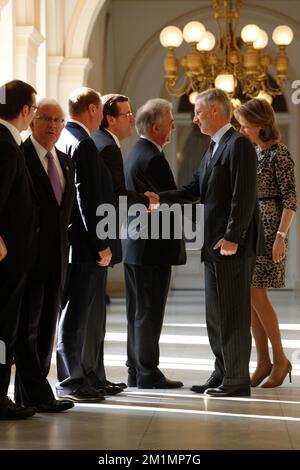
(282, 234)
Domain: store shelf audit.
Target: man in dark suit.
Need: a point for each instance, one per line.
(81, 374)
(147, 262)
(18, 228)
(52, 174)
(116, 125)
(226, 185)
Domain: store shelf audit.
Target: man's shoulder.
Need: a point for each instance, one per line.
(103, 139)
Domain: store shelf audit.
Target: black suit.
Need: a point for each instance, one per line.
(227, 188)
(147, 267)
(113, 159)
(43, 290)
(19, 230)
(81, 326)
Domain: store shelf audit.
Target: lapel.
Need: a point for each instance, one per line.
(205, 171)
(66, 171)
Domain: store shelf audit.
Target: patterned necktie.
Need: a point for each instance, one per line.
(54, 178)
(210, 150)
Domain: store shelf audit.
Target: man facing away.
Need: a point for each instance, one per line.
(226, 185)
(147, 262)
(18, 228)
(52, 174)
(80, 368)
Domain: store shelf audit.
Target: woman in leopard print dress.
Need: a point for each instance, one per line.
(277, 202)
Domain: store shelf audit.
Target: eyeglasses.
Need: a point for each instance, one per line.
(50, 119)
(34, 107)
(129, 114)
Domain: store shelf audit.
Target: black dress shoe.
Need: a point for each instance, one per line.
(229, 391)
(54, 406)
(163, 382)
(212, 382)
(84, 394)
(10, 410)
(107, 389)
(116, 384)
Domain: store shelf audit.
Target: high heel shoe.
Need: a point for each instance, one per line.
(260, 374)
(278, 375)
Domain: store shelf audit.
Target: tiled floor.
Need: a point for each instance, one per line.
(178, 419)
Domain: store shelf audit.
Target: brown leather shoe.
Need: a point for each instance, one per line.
(278, 375)
(260, 373)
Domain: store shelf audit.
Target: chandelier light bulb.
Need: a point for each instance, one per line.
(171, 36)
(282, 35)
(250, 33)
(193, 31)
(207, 42)
(192, 97)
(225, 82)
(262, 40)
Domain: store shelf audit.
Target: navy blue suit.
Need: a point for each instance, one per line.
(81, 327)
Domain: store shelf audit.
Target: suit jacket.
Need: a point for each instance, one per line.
(18, 207)
(112, 157)
(146, 169)
(54, 219)
(93, 187)
(227, 188)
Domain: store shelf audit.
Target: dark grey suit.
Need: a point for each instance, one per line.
(227, 188)
(147, 266)
(81, 327)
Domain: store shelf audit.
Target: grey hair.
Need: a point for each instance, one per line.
(49, 101)
(150, 113)
(215, 95)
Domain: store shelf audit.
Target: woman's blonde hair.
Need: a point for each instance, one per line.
(259, 113)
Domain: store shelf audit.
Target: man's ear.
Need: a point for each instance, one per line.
(110, 119)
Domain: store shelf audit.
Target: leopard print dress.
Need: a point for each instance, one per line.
(276, 191)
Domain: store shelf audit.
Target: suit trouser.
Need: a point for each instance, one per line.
(146, 295)
(12, 285)
(35, 339)
(81, 328)
(228, 317)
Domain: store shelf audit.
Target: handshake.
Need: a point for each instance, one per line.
(153, 200)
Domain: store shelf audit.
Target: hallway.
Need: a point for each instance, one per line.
(175, 419)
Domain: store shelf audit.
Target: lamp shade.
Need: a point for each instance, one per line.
(225, 82)
(261, 41)
(282, 35)
(193, 31)
(207, 42)
(250, 33)
(171, 36)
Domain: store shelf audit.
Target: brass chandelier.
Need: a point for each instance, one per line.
(225, 63)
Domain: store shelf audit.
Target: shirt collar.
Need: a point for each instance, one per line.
(153, 142)
(219, 134)
(13, 130)
(40, 150)
(114, 137)
(80, 124)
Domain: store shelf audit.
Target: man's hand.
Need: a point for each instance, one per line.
(104, 257)
(227, 248)
(153, 200)
(3, 249)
